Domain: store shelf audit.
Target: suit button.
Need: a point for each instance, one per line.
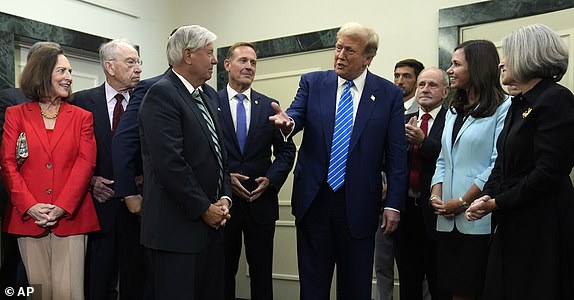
(49, 166)
(48, 191)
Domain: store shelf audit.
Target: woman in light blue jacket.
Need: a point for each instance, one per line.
(473, 123)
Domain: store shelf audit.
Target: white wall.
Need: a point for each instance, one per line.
(149, 29)
(406, 28)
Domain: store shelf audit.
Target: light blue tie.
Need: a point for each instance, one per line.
(341, 138)
(241, 122)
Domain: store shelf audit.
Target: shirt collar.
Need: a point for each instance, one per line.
(358, 82)
(231, 93)
(409, 103)
(111, 93)
(186, 83)
(433, 112)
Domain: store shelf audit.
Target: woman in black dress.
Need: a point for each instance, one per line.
(529, 191)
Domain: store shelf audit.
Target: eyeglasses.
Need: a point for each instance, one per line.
(130, 62)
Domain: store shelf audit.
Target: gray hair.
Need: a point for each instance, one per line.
(192, 37)
(443, 75)
(535, 51)
(38, 45)
(109, 50)
(366, 34)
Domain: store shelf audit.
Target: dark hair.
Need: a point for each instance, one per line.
(36, 78)
(484, 76)
(237, 45)
(412, 63)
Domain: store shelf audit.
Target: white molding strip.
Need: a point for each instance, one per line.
(283, 74)
(113, 7)
(283, 223)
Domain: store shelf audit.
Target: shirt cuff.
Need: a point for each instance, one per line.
(286, 136)
(393, 209)
(228, 199)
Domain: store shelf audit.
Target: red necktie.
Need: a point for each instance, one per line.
(118, 111)
(414, 178)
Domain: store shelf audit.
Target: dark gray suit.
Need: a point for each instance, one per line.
(181, 170)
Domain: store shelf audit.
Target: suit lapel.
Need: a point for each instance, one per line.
(465, 125)
(438, 124)
(256, 114)
(328, 107)
(227, 119)
(102, 118)
(38, 124)
(366, 107)
(62, 123)
(188, 99)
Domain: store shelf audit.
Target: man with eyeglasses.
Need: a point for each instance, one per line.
(114, 251)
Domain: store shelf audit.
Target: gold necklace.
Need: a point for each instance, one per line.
(48, 116)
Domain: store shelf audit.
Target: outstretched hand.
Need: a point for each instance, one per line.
(281, 119)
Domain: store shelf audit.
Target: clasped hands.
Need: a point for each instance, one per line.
(238, 188)
(479, 208)
(45, 215)
(217, 214)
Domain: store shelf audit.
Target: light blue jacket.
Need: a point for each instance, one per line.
(470, 160)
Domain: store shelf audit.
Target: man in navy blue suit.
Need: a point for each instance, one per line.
(126, 152)
(250, 140)
(337, 220)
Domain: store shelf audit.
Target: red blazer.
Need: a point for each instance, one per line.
(57, 171)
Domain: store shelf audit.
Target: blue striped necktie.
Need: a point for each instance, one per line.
(341, 138)
(213, 134)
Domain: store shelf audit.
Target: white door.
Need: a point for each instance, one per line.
(86, 71)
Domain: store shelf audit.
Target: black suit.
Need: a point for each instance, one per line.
(116, 246)
(415, 242)
(256, 219)
(181, 172)
(12, 272)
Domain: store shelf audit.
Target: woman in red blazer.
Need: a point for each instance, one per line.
(50, 208)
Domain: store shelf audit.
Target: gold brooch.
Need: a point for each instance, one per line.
(526, 113)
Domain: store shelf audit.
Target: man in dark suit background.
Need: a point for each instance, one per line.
(186, 184)
(115, 248)
(415, 241)
(126, 151)
(249, 140)
(336, 193)
(12, 271)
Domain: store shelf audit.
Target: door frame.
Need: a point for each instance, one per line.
(453, 18)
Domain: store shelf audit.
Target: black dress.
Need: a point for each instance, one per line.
(531, 253)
